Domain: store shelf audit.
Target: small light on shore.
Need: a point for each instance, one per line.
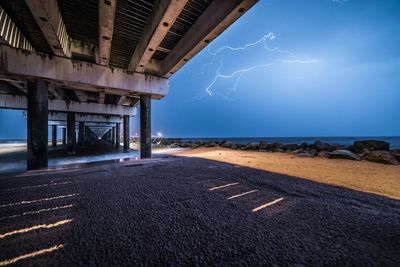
(159, 134)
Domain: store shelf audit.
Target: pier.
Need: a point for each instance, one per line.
(84, 68)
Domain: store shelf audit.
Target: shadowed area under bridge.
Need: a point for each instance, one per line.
(191, 211)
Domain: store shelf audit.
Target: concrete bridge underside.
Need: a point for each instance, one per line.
(87, 65)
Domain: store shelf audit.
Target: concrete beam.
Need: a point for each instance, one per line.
(161, 20)
(57, 93)
(20, 64)
(19, 102)
(106, 28)
(215, 19)
(48, 17)
(61, 116)
(81, 95)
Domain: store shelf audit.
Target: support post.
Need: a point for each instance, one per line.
(117, 136)
(53, 135)
(71, 135)
(81, 134)
(64, 136)
(145, 126)
(126, 133)
(37, 124)
(113, 135)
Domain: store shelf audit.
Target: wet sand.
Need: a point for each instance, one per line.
(358, 175)
(188, 211)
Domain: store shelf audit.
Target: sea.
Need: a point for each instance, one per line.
(394, 141)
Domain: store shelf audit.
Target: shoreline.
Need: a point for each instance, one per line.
(371, 150)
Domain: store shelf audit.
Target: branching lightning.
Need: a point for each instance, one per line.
(285, 56)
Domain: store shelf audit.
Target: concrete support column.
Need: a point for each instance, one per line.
(64, 136)
(126, 132)
(113, 135)
(117, 135)
(71, 135)
(53, 135)
(145, 126)
(81, 133)
(37, 124)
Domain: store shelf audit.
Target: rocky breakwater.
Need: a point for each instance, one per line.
(370, 150)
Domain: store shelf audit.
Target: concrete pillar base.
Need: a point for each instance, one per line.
(145, 126)
(126, 133)
(37, 124)
(71, 135)
(117, 136)
(54, 135)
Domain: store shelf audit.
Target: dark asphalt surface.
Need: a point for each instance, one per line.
(162, 213)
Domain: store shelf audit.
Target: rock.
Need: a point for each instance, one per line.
(344, 154)
(195, 145)
(381, 156)
(279, 150)
(305, 154)
(274, 146)
(304, 145)
(364, 153)
(263, 145)
(185, 144)
(252, 146)
(324, 154)
(321, 146)
(174, 145)
(290, 147)
(210, 144)
(227, 144)
(371, 145)
(396, 153)
(234, 146)
(313, 152)
(297, 151)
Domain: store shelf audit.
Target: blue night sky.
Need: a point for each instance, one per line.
(286, 68)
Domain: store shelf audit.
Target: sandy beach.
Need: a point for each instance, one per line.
(363, 176)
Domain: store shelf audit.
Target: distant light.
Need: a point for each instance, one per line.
(159, 134)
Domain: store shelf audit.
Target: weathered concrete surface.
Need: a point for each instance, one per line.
(145, 126)
(20, 102)
(162, 212)
(37, 124)
(126, 133)
(79, 73)
(71, 135)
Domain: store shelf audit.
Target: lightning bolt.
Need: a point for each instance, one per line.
(289, 58)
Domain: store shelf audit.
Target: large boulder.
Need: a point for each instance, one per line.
(382, 157)
(371, 145)
(227, 144)
(274, 146)
(344, 154)
(321, 146)
(396, 153)
(291, 147)
(252, 146)
(304, 154)
(324, 154)
(263, 145)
